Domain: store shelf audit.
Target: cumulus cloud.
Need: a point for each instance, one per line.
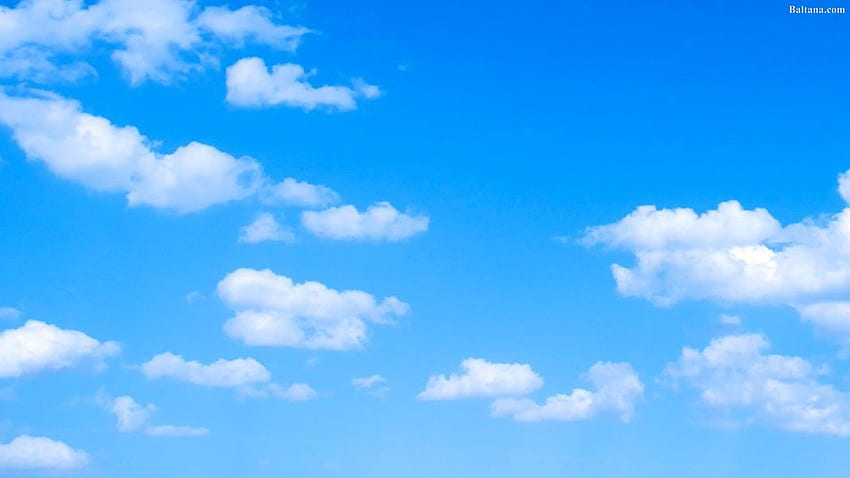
(92, 151)
(251, 83)
(616, 388)
(735, 375)
(380, 222)
(221, 373)
(133, 417)
(273, 310)
(481, 378)
(301, 193)
(157, 40)
(265, 228)
(37, 346)
(734, 255)
(29, 452)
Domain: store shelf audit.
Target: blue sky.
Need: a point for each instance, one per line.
(392, 239)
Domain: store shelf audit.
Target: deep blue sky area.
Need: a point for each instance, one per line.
(503, 134)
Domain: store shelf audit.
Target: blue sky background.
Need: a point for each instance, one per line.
(509, 126)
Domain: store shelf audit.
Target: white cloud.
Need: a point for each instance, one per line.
(373, 385)
(221, 373)
(37, 346)
(296, 392)
(481, 378)
(90, 150)
(368, 382)
(9, 313)
(157, 40)
(302, 194)
(29, 452)
(133, 417)
(381, 221)
(130, 415)
(735, 255)
(616, 388)
(251, 84)
(265, 228)
(273, 310)
(733, 374)
(727, 319)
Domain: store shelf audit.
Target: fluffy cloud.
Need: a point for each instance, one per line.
(381, 221)
(250, 83)
(302, 194)
(153, 40)
(265, 228)
(92, 151)
(29, 452)
(273, 310)
(734, 374)
(481, 378)
(37, 346)
(133, 417)
(616, 388)
(735, 255)
(221, 373)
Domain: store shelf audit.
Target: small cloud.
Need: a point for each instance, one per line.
(297, 392)
(9, 313)
(372, 385)
(727, 319)
(194, 296)
(265, 228)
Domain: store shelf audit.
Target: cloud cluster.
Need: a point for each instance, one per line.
(133, 417)
(250, 83)
(380, 222)
(29, 453)
(481, 378)
(157, 40)
(734, 255)
(37, 346)
(617, 388)
(273, 310)
(221, 373)
(734, 374)
(265, 228)
(92, 151)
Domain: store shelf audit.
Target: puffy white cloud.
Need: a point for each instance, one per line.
(29, 452)
(250, 83)
(92, 151)
(9, 313)
(381, 221)
(301, 193)
(734, 374)
(735, 255)
(133, 417)
(481, 378)
(616, 388)
(153, 40)
(273, 310)
(221, 373)
(37, 346)
(265, 228)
